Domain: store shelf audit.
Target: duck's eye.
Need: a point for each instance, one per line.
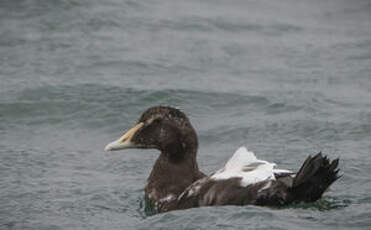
(157, 121)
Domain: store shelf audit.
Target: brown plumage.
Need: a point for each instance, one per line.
(176, 182)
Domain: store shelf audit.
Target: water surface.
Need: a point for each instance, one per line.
(287, 78)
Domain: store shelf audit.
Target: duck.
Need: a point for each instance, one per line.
(176, 183)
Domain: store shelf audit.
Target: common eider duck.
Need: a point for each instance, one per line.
(177, 183)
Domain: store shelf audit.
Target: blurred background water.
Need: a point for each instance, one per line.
(288, 78)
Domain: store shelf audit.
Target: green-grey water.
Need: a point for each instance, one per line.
(286, 78)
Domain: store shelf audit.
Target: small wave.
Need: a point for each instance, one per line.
(324, 204)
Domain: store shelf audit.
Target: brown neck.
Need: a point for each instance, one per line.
(171, 175)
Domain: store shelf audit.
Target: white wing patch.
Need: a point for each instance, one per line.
(243, 164)
(281, 171)
(167, 198)
(246, 166)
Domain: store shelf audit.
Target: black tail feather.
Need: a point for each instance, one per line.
(313, 178)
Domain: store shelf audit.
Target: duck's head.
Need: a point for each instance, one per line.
(164, 128)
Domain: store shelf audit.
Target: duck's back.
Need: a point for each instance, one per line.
(256, 182)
